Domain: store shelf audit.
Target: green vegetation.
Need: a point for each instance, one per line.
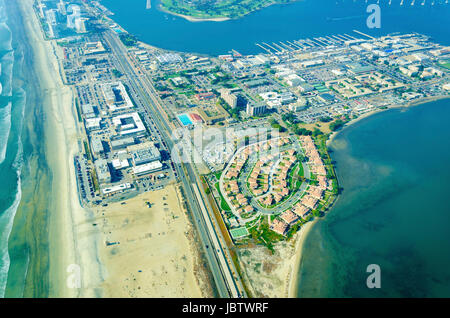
(223, 204)
(289, 118)
(264, 235)
(207, 9)
(218, 174)
(445, 64)
(302, 131)
(87, 150)
(337, 124)
(77, 107)
(116, 73)
(128, 39)
(276, 125)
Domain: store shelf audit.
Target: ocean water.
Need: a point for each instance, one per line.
(12, 101)
(299, 20)
(393, 211)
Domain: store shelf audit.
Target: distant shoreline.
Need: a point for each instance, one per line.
(424, 100)
(190, 18)
(216, 19)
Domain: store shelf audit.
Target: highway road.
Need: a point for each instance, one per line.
(186, 174)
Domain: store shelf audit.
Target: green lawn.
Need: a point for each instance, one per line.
(445, 64)
(223, 204)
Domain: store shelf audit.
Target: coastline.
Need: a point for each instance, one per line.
(65, 215)
(302, 235)
(421, 101)
(294, 263)
(292, 281)
(192, 19)
(64, 138)
(218, 19)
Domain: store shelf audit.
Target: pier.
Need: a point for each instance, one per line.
(264, 48)
(370, 37)
(271, 47)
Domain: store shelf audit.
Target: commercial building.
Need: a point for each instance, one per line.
(102, 169)
(230, 98)
(256, 109)
(88, 110)
(116, 96)
(122, 143)
(298, 106)
(128, 124)
(116, 189)
(120, 163)
(93, 48)
(97, 146)
(80, 25)
(62, 7)
(145, 155)
(147, 168)
(92, 124)
(211, 119)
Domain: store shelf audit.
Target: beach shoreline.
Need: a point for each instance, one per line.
(66, 217)
(293, 279)
(413, 103)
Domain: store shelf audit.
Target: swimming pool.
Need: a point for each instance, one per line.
(184, 119)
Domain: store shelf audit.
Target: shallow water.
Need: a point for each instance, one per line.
(392, 212)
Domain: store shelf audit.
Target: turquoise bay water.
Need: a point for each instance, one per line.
(302, 19)
(394, 168)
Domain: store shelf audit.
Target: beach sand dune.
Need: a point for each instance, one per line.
(274, 275)
(147, 250)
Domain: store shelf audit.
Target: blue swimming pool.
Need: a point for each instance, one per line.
(184, 119)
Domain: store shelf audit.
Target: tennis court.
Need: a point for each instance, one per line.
(239, 232)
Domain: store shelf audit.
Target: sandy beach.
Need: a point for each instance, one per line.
(68, 243)
(160, 239)
(153, 230)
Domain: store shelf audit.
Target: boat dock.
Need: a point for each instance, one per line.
(370, 37)
(307, 44)
(271, 47)
(264, 48)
